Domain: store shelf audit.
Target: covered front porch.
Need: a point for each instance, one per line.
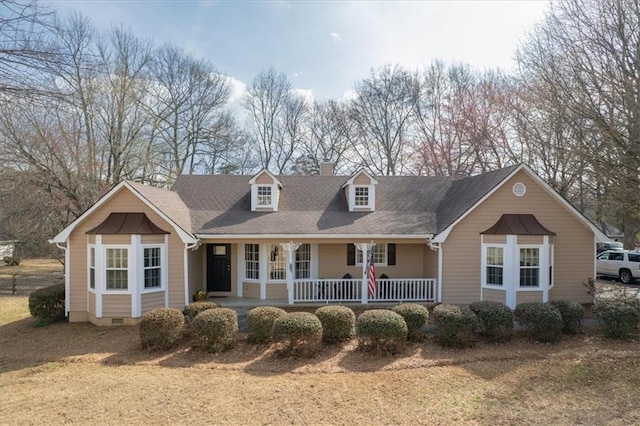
(312, 272)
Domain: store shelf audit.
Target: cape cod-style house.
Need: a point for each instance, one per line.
(505, 236)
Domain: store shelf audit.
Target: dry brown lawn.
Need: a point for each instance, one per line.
(79, 373)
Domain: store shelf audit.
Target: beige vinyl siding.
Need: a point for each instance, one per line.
(91, 238)
(492, 295)
(92, 303)
(410, 261)
(124, 239)
(152, 301)
(251, 290)
(197, 270)
(264, 179)
(494, 239)
(529, 296)
(530, 239)
(430, 263)
(362, 179)
(574, 243)
(122, 201)
(153, 239)
(277, 291)
(116, 305)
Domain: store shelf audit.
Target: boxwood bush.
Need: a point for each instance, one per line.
(338, 323)
(47, 304)
(542, 320)
(215, 329)
(193, 309)
(297, 334)
(161, 328)
(456, 326)
(382, 331)
(416, 317)
(260, 323)
(571, 313)
(618, 318)
(495, 320)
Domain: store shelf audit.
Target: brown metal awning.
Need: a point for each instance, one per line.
(127, 223)
(518, 224)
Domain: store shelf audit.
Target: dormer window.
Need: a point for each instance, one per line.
(360, 192)
(361, 196)
(265, 192)
(264, 196)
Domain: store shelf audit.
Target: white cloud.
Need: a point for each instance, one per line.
(307, 94)
(349, 95)
(238, 89)
(335, 37)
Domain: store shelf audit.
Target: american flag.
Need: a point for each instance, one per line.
(372, 274)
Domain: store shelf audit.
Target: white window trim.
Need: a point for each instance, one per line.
(269, 246)
(551, 265)
(541, 262)
(163, 269)
(296, 262)
(95, 268)
(386, 255)
(275, 193)
(371, 198)
(244, 262)
(485, 246)
(131, 272)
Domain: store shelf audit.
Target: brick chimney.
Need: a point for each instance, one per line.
(326, 168)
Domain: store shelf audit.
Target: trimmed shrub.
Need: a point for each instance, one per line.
(416, 317)
(47, 304)
(456, 326)
(215, 329)
(338, 323)
(193, 309)
(542, 320)
(495, 320)
(297, 333)
(571, 313)
(260, 323)
(618, 318)
(11, 261)
(382, 331)
(161, 328)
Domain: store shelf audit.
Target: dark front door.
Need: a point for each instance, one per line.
(218, 267)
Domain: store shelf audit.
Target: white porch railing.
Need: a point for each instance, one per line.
(350, 290)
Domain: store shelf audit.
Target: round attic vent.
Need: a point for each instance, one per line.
(519, 189)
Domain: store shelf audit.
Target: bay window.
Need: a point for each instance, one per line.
(117, 269)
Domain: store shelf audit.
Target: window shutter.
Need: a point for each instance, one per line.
(351, 254)
(391, 254)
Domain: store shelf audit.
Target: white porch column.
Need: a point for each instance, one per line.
(290, 248)
(364, 288)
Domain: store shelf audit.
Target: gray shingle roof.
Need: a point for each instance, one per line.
(405, 205)
(168, 202)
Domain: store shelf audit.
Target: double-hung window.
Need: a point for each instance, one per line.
(529, 267)
(252, 261)
(361, 196)
(494, 266)
(264, 196)
(379, 255)
(303, 261)
(92, 267)
(117, 268)
(277, 262)
(152, 267)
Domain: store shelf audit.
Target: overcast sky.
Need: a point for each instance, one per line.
(325, 47)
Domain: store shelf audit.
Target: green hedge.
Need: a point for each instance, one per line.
(47, 304)
(161, 328)
(416, 317)
(193, 309)
(618, 318)
(456, 326)
(297, 334)
(260, 323)
(338, 323)
(542, 320)
(381, 331)
(495, 320)
(215, 329)
(571, 313)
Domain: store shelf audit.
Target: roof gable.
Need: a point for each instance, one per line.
(357, 179)
(147, 195)
(259, 178)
